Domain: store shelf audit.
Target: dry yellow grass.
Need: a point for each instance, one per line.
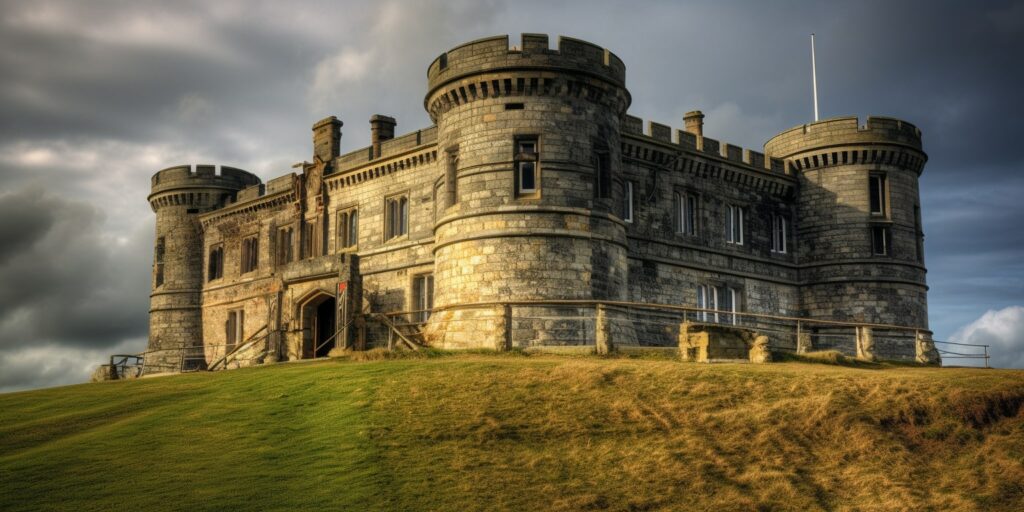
(501, 432)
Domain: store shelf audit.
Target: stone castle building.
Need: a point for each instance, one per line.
(534, 184)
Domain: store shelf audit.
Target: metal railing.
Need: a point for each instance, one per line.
(533, 323)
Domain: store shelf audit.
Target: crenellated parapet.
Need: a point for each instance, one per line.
(699, 144)
(489, 68)
(844, 141)
(199, 187)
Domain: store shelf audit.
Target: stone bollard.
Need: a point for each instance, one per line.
(759, 351)
(603, 332)
(865, 344)
(803, 343)
(926, 351)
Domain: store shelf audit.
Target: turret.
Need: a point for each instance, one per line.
(532, 185)
(178, 195)
(859, 232)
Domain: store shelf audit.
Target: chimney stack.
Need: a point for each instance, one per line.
(382, 128)
(693, 122)
(327, 138)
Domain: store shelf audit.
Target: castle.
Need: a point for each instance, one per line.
(535, 190)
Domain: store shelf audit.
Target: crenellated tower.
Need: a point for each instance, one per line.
(178, 195)
(859, 232)
(530, 138)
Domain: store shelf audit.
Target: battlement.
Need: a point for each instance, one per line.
(494, 54)
(388, 148)
(202, 176)
(700, 144)
(844, 131)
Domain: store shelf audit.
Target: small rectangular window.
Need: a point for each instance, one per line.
(526, 162)
(285, 246)
(234, 329)
(779, 223)
(627, 204)
(250, 254)
(159, 275)
(513, 106)
(877, 190)
(685, 213)
(734, 225)
(396, 216)
(348, 229)
(880, 240)
(423, 296)
(215, 263)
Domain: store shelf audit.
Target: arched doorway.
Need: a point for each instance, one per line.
(318, 326)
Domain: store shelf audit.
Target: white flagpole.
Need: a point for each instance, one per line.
(814, 79)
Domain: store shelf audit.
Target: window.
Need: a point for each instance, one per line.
(348, 229)
(250, 254)
(779, 223)
(313, 238)
(603, 187)
(234, 329)
(627, 203)
(451, 178)
(285, 245)
(158, 253)
(919, 234)
(880, 240)
(685, 208)
(215, 263)
(717, 298)
(396, 216)
(734, 225)
(526, 162)
(423, 296)
(878, 191)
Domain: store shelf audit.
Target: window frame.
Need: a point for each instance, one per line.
(685, 207)
(886, 240)
(881, 195)
(215, 262)
(347, 230)
(520, 159)
(422, 300)
(603, 174)
(396, 216)
(780, 233)
(735, 224)
(249, 260)
(284, 251)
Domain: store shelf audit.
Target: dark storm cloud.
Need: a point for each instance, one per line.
(74, 286)
(96, 96)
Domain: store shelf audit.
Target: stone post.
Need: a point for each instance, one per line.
(603, 332)
(686, 349)
(925, 348)
(803, 340)
(865, 344)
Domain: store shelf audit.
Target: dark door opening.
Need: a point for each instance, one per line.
(323, 328)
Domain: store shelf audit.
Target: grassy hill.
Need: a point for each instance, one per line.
(510, 432)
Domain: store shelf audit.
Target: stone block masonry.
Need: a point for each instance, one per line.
(533, 183)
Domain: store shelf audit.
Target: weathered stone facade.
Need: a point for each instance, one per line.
(534, 184)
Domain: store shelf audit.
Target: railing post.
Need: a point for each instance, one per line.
(986, 355)
(508, 326)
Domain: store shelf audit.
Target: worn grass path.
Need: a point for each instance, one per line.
(505, 432)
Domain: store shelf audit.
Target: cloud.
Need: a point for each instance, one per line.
(69, 283)
(1002, 330)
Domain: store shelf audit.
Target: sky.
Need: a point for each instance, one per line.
(97, 96)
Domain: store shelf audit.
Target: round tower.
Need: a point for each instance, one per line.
(530, 203)
(859, 232)
(178, 195)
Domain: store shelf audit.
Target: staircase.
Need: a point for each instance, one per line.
(408, 335)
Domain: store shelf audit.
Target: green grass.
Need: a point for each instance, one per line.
(516, 432)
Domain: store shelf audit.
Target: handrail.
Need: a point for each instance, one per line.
(644, 305)
(246, 344)
(384, 319)
(335, 335)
